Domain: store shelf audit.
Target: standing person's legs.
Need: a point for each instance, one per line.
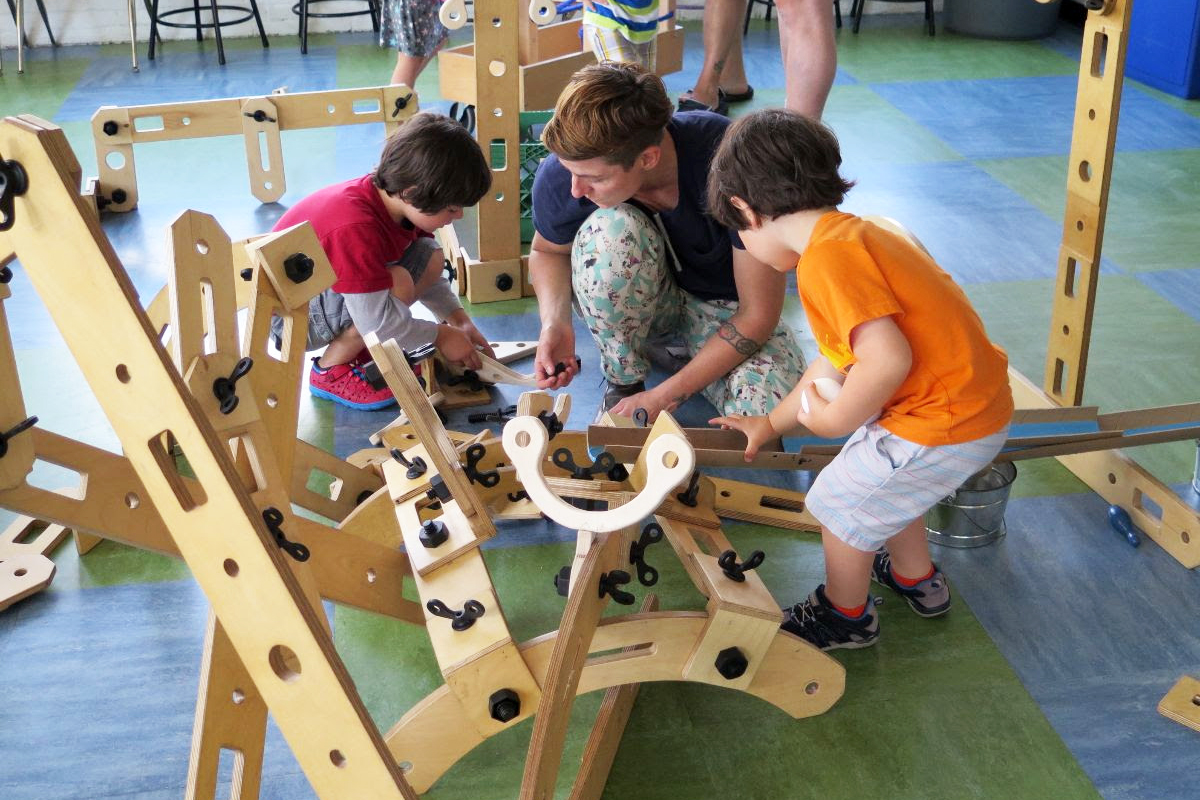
(413, 28)
(722, 34)
(806, 39)
(610, 45)
(757, 384)
(623, 289)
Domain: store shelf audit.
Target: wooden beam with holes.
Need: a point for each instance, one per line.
(279, 636)
(258, 120)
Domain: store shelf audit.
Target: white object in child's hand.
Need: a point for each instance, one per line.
(827, 390)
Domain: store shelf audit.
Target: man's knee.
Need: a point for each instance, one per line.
(622, 227)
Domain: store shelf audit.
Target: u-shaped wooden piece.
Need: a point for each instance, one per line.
(669, 461)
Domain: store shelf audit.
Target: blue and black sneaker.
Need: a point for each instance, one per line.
(816, 621)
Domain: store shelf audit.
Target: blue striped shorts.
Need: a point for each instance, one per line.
(879, 482)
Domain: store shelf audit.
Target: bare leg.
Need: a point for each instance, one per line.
(408, 68)
(432, 273)
(910, 550)
(806, 39)
(722, 32)
(345, 346)
(847, 571)
(733, 79)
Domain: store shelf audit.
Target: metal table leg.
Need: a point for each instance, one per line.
(20, 36)
(133, 36)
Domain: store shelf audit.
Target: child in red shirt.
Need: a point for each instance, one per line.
(378, 233)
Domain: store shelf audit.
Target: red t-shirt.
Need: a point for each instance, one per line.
(358, 234)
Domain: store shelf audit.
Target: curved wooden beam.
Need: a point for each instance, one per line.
(794, 677)
(669, 462)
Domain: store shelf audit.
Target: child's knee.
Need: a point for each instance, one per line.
(403, 287)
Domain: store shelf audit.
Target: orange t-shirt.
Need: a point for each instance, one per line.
(852, 272)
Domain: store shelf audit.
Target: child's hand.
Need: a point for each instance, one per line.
(758, 431)
(456, 346)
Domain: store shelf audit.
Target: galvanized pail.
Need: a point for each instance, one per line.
(974, 515)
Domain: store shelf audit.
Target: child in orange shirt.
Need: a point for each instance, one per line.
(924, 394)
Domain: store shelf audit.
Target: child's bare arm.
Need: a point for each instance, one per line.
(883, 359)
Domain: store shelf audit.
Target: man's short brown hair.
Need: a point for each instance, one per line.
(432, 162)
(778, 162)
(613, 111)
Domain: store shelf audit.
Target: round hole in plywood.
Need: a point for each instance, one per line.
(337, 759)
(272, 401)
(186, 120)
(114, 160)
(495, 22)
(231, 567)
(1185, 536)
(726, 493)
(372, 576)
(812, 687)
(132, 501)
(1112, 478)
(331, 108)
(284, 663)
(21, 572)
(238, 697)
(1196, 699)
(202, 247)
(670, 459)
(523, 439)
(1078, 224)
(405, 766)
(122, 373)
(1091, 113)
(497, 112)
(1085, 171)
(497, 68)
(520, 344)
(499, 197)
(1066, 330)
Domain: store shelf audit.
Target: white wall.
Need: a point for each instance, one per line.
(102, 21)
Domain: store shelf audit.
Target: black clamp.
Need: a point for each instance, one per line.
(466, 117)
(298, 267)
(562, 581)
(20, 427)
(690, 496)
(651, 534)
(471, 611)
(551, 422)
(439, 492)
(247, 274)
(519, 494)
(610, 583)
(225, 389)
(13, 183)
(734, 570)
(6, 274)
(469, 377)
(258, 115)
(419, 354)
(605, 464)
(274, 520)
(641, 417)
(448, 268)
(119, 196)
(486, 478)
(501, 414)
(416, 467)
(401, 104)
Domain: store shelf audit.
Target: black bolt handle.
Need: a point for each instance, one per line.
(651, 534)
(13, 183)
(416, 467)
(551, 422)
(641, 417)
(224, 389)
(471, 611)
(20, 427)
(257, 115)
(690, 496)
(610, 583)
(733, 569)
(401, 104)
(274, 520)
(501, 414)
(486, 478)
(605, 463)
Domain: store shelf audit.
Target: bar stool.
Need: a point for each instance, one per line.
(251, 11)
(771, 6)
(858, 9)
(18, 13)
(301, 10)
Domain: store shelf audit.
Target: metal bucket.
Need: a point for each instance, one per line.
(974, 515)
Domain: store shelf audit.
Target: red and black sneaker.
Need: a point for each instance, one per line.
(348, 386)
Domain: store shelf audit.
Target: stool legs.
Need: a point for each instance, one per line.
(153, 27)
(199, 30)
(262, 33)
(304, 27)
(216, 30)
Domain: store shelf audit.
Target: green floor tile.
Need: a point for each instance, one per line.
(887, 54)
(863, 120)
(1151, 207)
(40, 90)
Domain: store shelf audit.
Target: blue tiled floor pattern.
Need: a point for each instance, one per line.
(1096, 630)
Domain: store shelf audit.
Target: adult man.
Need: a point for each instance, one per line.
(622, 228)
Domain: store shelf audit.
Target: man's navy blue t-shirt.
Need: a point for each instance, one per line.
(703, 247)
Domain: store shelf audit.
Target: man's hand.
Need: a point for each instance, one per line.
(556, 345)
(758, 431)
(653, 401)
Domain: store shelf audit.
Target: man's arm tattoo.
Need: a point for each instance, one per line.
(729, 332)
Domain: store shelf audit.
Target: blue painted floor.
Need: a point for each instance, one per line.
(963, 140)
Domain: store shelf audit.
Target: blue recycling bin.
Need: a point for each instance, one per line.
(1164, 46)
